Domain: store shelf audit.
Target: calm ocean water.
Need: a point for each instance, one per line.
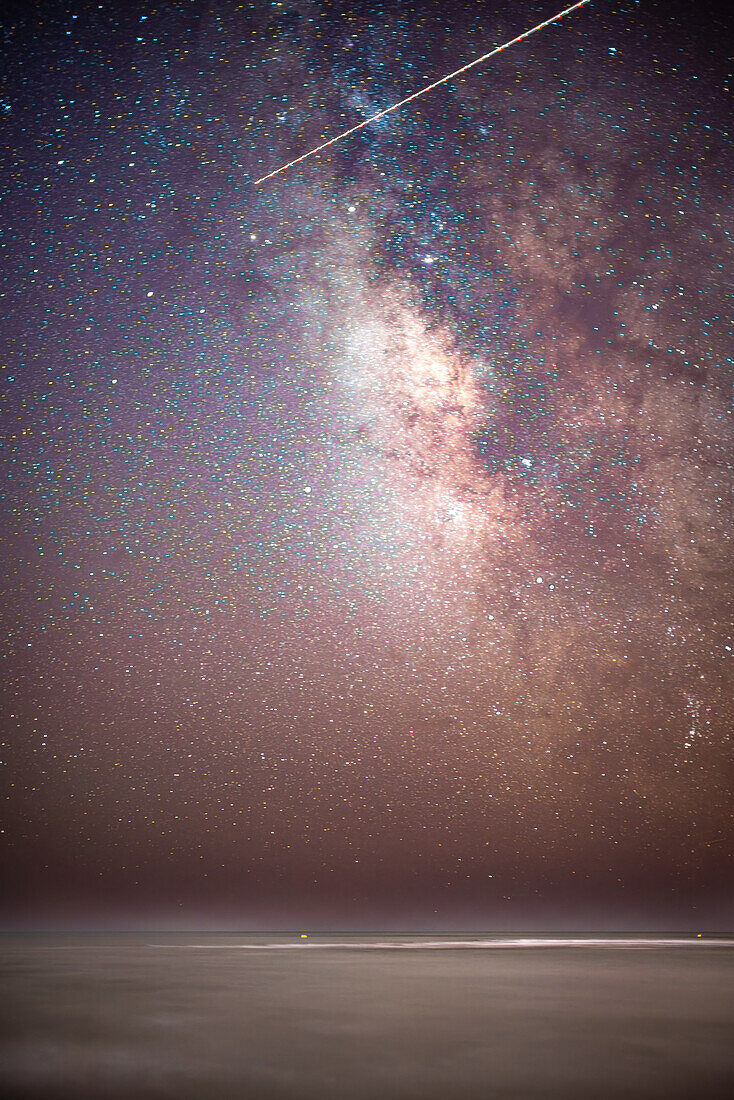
(369, 1017)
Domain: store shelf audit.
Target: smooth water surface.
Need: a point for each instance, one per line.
(389, 1017)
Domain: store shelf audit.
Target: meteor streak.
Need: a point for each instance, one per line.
(428, 88)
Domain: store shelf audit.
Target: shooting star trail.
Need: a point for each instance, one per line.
(423, 91)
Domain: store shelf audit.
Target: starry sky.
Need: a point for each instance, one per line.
(366, 533)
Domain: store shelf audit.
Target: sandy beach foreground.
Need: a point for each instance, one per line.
(383, 1017)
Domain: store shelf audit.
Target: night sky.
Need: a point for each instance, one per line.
(366, 533)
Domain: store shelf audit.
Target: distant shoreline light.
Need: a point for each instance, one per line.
(443, 945)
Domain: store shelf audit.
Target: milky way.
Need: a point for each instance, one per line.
(366, 534)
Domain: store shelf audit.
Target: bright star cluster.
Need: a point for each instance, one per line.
(366, 534)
